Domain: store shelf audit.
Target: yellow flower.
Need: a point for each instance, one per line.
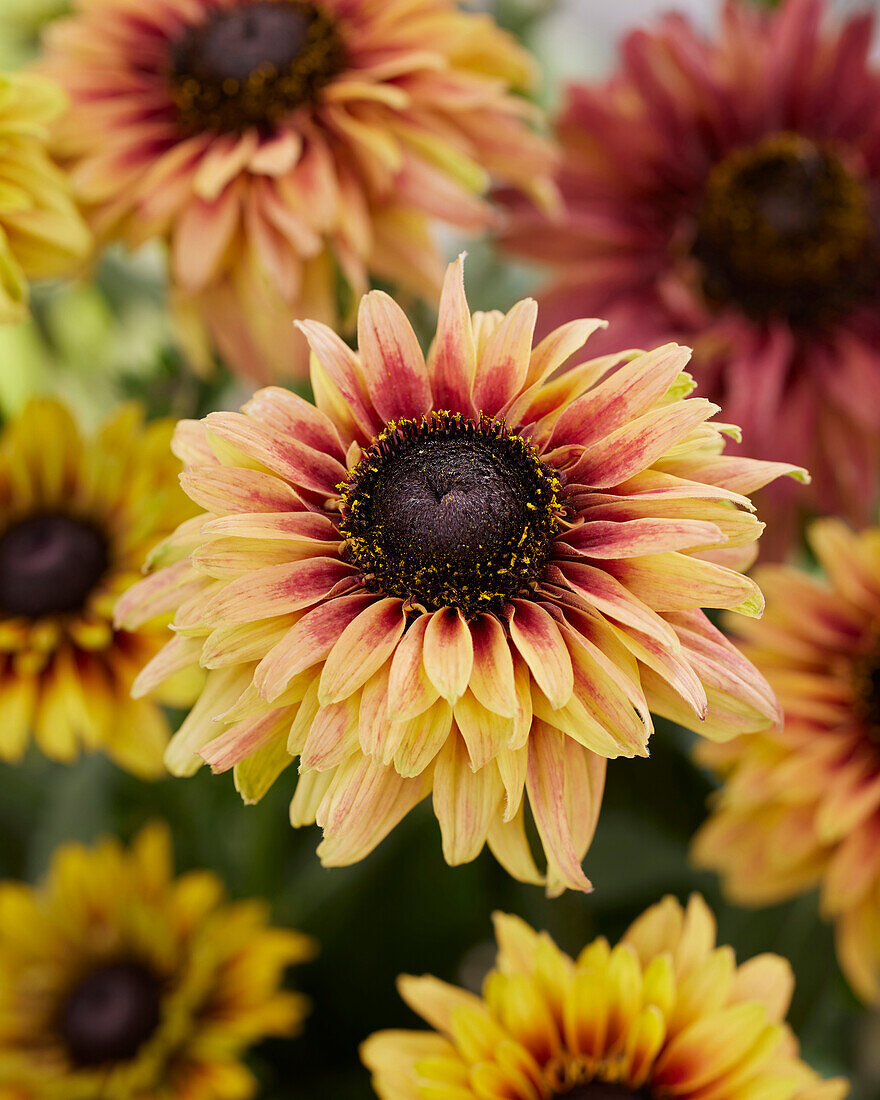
(471, 576)
(41, 233)
(283, 147)
(119, 981)
(800, 806)
(665, 1013)
(77, 520)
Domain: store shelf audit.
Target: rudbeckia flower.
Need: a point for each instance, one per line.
(119, 980)
(723, 192)
(663, 1013)
(287, 148)
(42, 235)
(472, 576)
(77, 519)
(799, 806)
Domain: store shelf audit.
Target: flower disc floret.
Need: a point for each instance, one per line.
(451, 512)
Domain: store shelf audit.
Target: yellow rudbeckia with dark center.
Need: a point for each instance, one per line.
(78, 517)
(471, 576)
(119, 981)
(665, 1013)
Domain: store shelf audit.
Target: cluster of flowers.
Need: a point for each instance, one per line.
(474, 573)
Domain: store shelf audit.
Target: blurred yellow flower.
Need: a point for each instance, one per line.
(119, 981)
(664, 1013)
(77, 520)
(41, 233)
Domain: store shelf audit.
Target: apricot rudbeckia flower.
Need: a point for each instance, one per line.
(799, 806)
(663, 1013)
(722, 190)
(287, 148)
(119, 980)
(42, 235)
(78, 517)
(472, 576)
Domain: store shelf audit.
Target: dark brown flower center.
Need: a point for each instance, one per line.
(252, 64)
(49, 564)
(601, 1090)
(110, 1014)
(867, 692)
(786, 230)
(450, 513)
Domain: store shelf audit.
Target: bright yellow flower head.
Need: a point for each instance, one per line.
(800, 805)
(41, 233)
(119, 981)
(78, 518)
(665, 1013)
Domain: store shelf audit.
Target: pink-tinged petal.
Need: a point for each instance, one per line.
(393, 364)
(449, 653)
(373, 723)
(245, 642)
(306, 528)
(628, 393)
(202, 235)
(362, 648)
(465, 802)
(294, 416)
(275, 590)
(512, 765)
(504, 362)
(227, 157)
(363, 804)
(484, 733)
(226, 490)
(510, 846)
(602, 592)
(306, 713)
(190, 444)
(175, 656)
(157, 595)
(709, 1048)
(539, 640)
(545, 783)
(677, 582)
(522, 719)
(558, 347)
(672, 667)
(733, 472)
(632, 538)
(584, 787)
(332, 736)
(277, 156)
(307, 642)
(244, 738)
(452, 359)
(614, 458)
(410, 691)
(343, 369)
(221, 690)
(491, 679)
(418, 740)
(301, 465)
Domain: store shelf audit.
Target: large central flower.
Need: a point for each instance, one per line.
(451, 513)
(473, 576)
(252, 64)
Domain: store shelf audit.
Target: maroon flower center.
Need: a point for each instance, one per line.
(786, 230)
(867, 692)
(252, 64)
(450, 513)
(49, 564)
(110, 1014)
(602, 1090)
